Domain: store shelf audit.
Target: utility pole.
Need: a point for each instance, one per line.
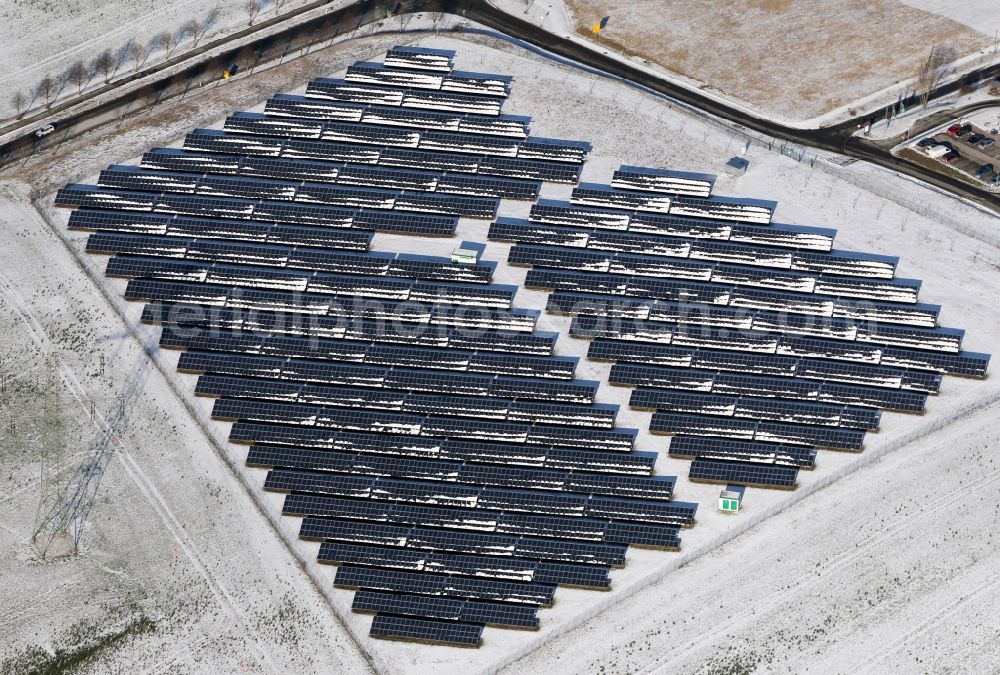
(52, 450)
(64, 512)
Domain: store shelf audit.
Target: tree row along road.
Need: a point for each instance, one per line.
(30, 118)
(837, 138)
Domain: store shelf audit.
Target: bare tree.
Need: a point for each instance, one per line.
(208, 23)
(149, 96)
(436, 18)
(62, 79)
(278, 6)
(934, 69)
(172, 40)
(194, 29)
(121, 54)
(104, 63)
(404, 17)
(19, 102)
(253, 8)
(159, 41)
(182, 83)
(46, 90)
(197, 29)
(77, 74)
(247, 58)
(137, 54)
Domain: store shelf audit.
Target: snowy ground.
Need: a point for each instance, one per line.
(979, 16)
(44, 38)
(699, 599)
(890, 570)
(178, 572)
(803, 63)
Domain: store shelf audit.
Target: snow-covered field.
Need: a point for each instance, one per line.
(178, 572)
(844, 576)
(44, 38)
(979, 16)
(796, 60)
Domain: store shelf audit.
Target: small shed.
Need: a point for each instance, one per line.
(730, 501)
(467, 253)
(465, 256)
(737, 166)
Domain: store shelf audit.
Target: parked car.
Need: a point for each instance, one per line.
(984, 170)
(995, 180)
(926, 142)
(986, 142)
(954, 129)
(964, 129)
(44, 131)
(937, 151)
(947, 144)
(950, 157)
(974, 138)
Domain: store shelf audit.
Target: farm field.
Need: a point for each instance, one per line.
(794, 60)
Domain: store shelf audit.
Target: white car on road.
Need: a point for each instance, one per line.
(45, 130)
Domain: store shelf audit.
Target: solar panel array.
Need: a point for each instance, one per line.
(453, 467)
(753, 343)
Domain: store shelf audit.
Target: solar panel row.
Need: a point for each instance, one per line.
(480, 543)
(741, 384)
(599, 415)
(651, 297)
(212, 250)
(394, 135)
(720, 208)
(403, 222)
(662, 180)
(204, 316)
(792, 366)
(412, 379)
(448, 470)
(207, 228)
(751, 429)
(302, 447)
(416, 424)
(490, 613)
(822, 414)
(654, 523)
(371, 353)
(388, 192)
(388, 93)
(665, 224)
(203, 143)
(428, 583)
(474, 83)
(757, 452)
(284, 105)
(204, 176)
(410, 628)
(303, 306)
(741, 250)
